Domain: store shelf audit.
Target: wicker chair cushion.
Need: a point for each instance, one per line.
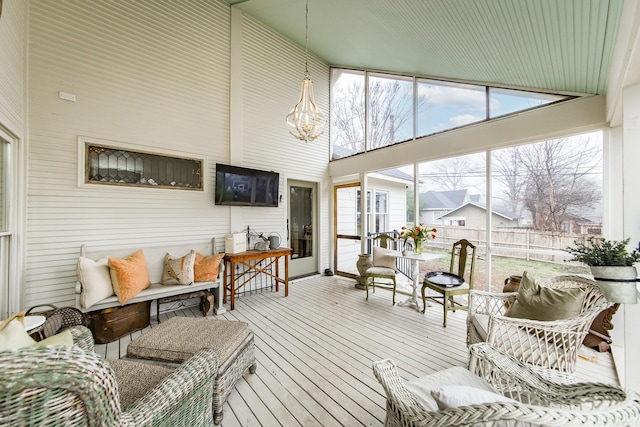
(136, 379)
(423, 387)
(481, 323)
(453, 396)
(381, 271)
(179, 338)
(538, 302)
(381, 258)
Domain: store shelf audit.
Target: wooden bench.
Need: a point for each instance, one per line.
(154, 256)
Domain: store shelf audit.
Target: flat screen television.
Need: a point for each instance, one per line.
(246, 187)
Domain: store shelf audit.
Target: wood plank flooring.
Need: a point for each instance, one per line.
(315, 349)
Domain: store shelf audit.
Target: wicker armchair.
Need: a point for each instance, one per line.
(72, 386)
(550, 347)
(536, 401)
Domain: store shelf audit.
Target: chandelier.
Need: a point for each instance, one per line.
(305, 121)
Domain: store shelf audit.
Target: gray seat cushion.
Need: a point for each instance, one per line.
(178, 338)
(481, 323)
(136, 379)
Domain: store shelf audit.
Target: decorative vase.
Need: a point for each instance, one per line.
(418, 248)
(512, 284)
(363, 263)
(618, 283)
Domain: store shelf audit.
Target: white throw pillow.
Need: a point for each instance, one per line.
(382, 258)
(95, 279)
(13, 335)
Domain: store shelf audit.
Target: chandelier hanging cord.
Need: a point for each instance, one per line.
(306, 40)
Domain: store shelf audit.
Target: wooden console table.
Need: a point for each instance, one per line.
(251, 260)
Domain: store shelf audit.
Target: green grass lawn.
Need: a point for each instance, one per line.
(502, 268)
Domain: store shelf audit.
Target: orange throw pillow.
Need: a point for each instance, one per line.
(205, 269)
(129, 276)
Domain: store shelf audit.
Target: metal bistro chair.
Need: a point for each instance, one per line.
(451, 283)
(383, 266)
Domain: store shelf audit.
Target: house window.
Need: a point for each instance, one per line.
(358, 214)
(8, 288)
(382, 212)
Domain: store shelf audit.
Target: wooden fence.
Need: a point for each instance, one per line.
(509, 242)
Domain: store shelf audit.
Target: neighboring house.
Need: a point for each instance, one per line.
(473, 215)
(434, 204)
(578, 224)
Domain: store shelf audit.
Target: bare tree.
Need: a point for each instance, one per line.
(507, 170)
(454, 173)
(390, 110)
(559, 183)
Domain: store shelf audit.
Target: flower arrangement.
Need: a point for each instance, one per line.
(418, 233)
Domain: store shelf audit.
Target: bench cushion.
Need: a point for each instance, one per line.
(178, 338)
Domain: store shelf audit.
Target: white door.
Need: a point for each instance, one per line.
(302, 228)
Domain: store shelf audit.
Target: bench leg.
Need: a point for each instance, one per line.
(218, 295)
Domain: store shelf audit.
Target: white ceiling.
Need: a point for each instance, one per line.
(554, 45)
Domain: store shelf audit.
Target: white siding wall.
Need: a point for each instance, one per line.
(152, 74)
(12, 39)
(272, 72)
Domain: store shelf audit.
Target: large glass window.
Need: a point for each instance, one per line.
(389, 110)
(545, 195)
(373, 110)
(347, 112)
(453, 200)
(507, 101)
(447, 105)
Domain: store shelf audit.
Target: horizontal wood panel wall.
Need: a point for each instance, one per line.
(273, 68)
(12, 39)
(151, 75)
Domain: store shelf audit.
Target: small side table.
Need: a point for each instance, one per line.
(33, 324)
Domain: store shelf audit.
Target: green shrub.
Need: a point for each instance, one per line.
(598, 251)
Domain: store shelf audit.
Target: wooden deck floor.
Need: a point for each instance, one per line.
(315, 349)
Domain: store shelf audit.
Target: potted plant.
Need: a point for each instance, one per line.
(612, 266)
